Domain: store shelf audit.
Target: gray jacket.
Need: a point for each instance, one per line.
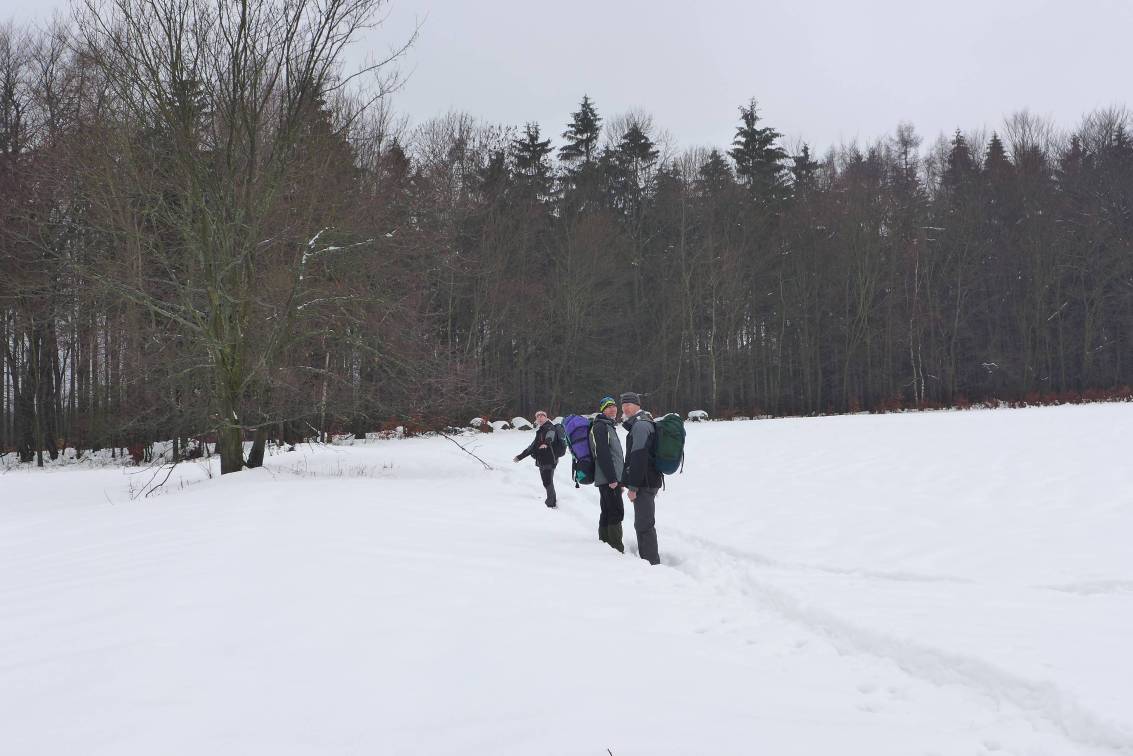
(640, 471)
(606, 447)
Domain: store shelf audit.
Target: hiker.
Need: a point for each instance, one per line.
(542, 449)
(608, 463)
(640, 474)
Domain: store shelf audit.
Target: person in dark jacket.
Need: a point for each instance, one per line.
(608, 463)
(542, 450)
(640, 475)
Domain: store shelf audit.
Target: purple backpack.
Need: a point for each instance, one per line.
(578, 438)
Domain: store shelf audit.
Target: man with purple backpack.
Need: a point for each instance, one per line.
(606, 447)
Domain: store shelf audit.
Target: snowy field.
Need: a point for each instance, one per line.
(937, 583)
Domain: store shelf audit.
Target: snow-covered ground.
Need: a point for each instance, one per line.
(938, 583)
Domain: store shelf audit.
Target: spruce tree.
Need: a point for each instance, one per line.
(996, 163)
(530, 156)
(715, 175)
(637, 148)
(626, 168)
(759, 160)
(960, 166)
(582, 134)
(803, 169)
(628, 163)
(494, 175)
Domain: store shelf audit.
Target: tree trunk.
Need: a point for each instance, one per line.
(259, 443)
(230, 444)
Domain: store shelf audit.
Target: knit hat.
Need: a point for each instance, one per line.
(607, 401)
(632, 397)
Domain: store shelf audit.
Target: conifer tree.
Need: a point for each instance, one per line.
(759, 160)
(715, 174)
(960, 165)
(582, 134)
(628, 166)
(996, 163)
(803, 169)
(530, 156)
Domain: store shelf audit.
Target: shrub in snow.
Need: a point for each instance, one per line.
(500, 425)
(476, 422)
(697, 416)
(741, 417)
(520, 423)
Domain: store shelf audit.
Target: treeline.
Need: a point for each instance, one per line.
(208, 230)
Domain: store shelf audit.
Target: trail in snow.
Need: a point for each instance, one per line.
(1043, 702)
(726, 569)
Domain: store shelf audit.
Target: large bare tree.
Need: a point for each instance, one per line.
(218, 134)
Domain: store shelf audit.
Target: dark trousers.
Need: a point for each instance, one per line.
(612, 513)
(645, 523)
(548, 476)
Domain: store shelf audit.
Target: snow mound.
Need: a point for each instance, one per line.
(520, 423)
(697, 416)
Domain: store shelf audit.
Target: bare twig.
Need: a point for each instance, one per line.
(465, 450)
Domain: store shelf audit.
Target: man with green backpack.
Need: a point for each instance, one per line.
(641, 476)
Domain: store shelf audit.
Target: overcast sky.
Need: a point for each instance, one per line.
(822, 70)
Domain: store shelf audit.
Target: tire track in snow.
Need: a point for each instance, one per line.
(1043, 703)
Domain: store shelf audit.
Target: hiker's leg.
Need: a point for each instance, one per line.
(644, 522)
(610, 520)
(548, 476)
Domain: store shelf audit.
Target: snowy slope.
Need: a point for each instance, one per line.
(940, 583)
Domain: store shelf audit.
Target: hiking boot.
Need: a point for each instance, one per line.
(614, 536)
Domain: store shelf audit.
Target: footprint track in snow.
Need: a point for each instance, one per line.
(1042, 703)
(732, 571)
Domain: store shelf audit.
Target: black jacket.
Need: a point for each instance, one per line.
(544, 434)
(640, 470)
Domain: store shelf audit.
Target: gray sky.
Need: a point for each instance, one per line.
(822, 70)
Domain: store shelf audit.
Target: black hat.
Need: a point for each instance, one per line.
(632, 397)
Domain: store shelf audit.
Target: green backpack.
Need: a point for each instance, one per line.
(669, 444)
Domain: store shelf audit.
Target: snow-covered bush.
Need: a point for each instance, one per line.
(500, 425)
(697, 416)
(476, 422)
(741, 417)
(520, 423)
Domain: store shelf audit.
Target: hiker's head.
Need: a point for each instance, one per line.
(540, 417)
(631, 403)
(608, 407)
